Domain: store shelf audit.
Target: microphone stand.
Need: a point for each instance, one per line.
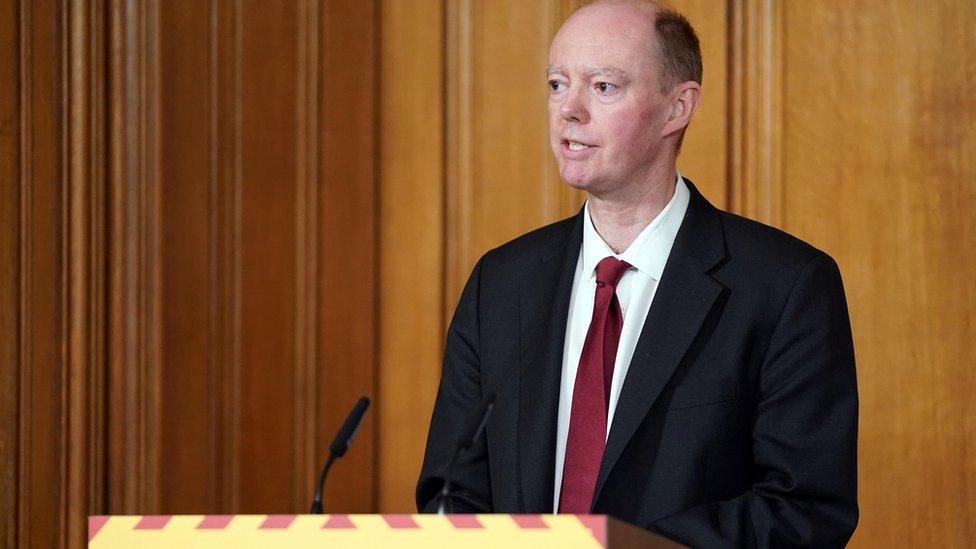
(338, 448)
(469, 436)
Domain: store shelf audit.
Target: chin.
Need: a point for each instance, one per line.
(578, 185)
(576, 179)
(588, 183)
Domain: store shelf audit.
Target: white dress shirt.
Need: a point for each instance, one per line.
(647, 255)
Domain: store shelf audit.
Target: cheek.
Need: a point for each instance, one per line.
(633, 135)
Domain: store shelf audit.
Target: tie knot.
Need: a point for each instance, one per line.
(609, 270)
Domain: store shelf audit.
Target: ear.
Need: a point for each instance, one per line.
(685, 98)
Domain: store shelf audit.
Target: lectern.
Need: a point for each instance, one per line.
(359, 531)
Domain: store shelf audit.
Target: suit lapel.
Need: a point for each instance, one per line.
(685, 295)
(544, 294)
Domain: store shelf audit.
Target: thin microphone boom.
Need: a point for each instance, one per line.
(339, 446)
(473, 427)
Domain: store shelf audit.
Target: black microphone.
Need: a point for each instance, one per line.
(339, 446)
(473, 427)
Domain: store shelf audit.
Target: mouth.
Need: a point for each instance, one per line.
(576, 146)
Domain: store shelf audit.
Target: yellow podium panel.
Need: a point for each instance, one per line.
(293, 531)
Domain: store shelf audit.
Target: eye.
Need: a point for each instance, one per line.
(557, 85)
(606, 88)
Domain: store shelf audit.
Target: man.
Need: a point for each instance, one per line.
(654, 359)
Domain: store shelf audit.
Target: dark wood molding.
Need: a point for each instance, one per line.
(225, 195)
(11, 140)
(42, 465)
(83, 268)
(306, 250)
(178, 311)
(53, 174)
(347, 276)
(755, 97)
(133, 261)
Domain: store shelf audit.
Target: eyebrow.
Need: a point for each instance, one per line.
(597, 71)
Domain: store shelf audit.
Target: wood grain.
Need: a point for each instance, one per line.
(164, 204)
(53, 465)
(188, 458)
(503, 185)
(41, 489)
(411, 239)
(10, 268)
(755, 178)
(133, 261)
(705, 153)
(307, 185)
(267, 258)
(228, 174)
(347, 296)
(271, 208)
(225, 228)
(84, 251)
(879, 164)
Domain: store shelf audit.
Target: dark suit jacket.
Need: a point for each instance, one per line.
(737, 421)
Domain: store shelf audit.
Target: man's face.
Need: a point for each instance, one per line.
(606, 113)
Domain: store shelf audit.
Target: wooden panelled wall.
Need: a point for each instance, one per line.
(221, 222)
(189, 240)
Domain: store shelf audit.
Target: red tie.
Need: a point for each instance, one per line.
(591, 394)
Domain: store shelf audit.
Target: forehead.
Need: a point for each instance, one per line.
(618, 36)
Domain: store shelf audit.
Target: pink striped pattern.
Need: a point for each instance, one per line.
(94, 525)
(597, 525)
(277, 522)
(215, 522)
(464, 521)
(529, 521)
(152, 522)
(400, 521)
(338, 521)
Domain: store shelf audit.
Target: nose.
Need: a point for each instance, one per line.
(574, 108)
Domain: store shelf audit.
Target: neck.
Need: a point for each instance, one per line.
(619, 217)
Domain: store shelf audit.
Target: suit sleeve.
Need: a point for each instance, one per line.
(459, 393)
(804, 434)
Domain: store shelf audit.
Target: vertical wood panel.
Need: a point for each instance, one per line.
(755, 180)
(41, 489)
(879, 170)
(306, 248)
(53, 191)
(270, 259)
(348, 248)
(253, 297)
(704, 154)
(267, 255)
(161, 221)
(501, 182)
(411, 229)
(188, 449)
(10, 267)
(84, 242)
(134, 266)
(225, 192)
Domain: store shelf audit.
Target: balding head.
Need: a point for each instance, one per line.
(671, 40)
(620, 101)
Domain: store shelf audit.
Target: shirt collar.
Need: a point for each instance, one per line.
(648, 253)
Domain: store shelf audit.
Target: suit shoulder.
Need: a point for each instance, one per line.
(765, 246)
(531, 244)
